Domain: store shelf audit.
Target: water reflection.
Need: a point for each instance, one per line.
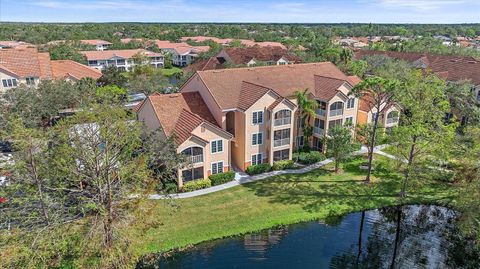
(397, 237)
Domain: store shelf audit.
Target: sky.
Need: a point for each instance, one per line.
(274, 11)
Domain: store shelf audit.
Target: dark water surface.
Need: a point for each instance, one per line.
(400, 237)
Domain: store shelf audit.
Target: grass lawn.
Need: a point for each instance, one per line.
(171, 71)
(285, 199)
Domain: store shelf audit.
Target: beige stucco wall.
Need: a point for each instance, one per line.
(147, 115)
(238, 144)
(209, 133)
(195, 84)
(19, 81)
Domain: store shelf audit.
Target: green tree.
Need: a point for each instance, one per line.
(379, 93)
(357, 68)
(112, 76)
(339, 144)
(66, 51)
(306, 111)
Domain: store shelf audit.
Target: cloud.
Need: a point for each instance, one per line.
(109, 4)
(421, 5)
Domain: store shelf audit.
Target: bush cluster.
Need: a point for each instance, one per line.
(282, 165)
(196, 185)
(221, 178)
(309, 157)
(170, 187)
(259, 168)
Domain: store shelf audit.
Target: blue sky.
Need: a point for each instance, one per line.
(309, 11)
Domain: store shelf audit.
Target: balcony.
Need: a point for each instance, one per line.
(195, 159)
(336, 112)
(318, 130)
(281, 142)
(282, 121)
(321, 112)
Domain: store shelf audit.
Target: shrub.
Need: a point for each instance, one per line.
(309, 157)
(196, 185)
(170, 187)
(259, 168)
(222, 178)
(282, 165)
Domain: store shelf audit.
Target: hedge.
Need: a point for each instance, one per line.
(170, 187)
(196, 185)
(221, 178)
(259, 168)
(282, 165)
(309, 157)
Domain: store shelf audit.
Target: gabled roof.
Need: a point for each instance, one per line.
(211, 63)
(125, 54)
(264, 54)
(327, 87)
(181, 48)
(226, 85)
(249, 94)
(26, 62)
(68, 68)
(180, 113)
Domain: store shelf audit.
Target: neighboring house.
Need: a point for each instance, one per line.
(248, 56)
(123, 59)
(28, 66)
(182, 53)
(99, 44)
(258, 106)
(226, 41)
(186, 117)
(449, 67)
(14, 45)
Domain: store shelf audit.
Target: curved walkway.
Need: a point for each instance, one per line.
(242, 178)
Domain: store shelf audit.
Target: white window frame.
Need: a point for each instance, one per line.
(216, 170)
(9, 82)
(253, 117)
(353, 103)
(257, 159)
(255, 141)
(216, 146)
(347, 119)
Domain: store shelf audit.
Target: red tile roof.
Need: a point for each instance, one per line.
(226, 85)
(67, 68)
(180, 113)
(182, 47)
(211, 63)
(126, 54)
(26, 63)
(265, 54)
(327, 87)
(95, 42)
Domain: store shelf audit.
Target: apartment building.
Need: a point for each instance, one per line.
(97, 43)
(124, 60)
(28, 66)
(234, 118)
(182, 53)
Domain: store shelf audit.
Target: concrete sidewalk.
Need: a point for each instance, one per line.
(242, 177)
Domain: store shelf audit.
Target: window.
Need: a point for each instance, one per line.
(257, 117)
(217, 168)
(336, 109)
(257, 139)
(349, 121)
(374, 115)
(111, 62)
(281, 155)
(281, 137)
(317, 144)
(333, 123)
(257, 159)
(9, 82)
(30, 80)
(192, 174)
(478, 96)
(217, 146)
(300, 141)
(392, 117)
(92, 62)
(120, 61)
(351, 103)
(319, 123)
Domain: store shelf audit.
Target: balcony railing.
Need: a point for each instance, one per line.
(321, 112)
(336, 112)
(318, 130)
(281, 142)
(392, 120)
(195, 159)
(282, 121)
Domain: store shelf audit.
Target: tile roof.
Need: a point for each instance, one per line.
(327, 87)
(67, 68)
(15, 44)
(211, 63)
(182, 47)
(26, 62)
(126, 54)
(180, 113)
(226, 41)
(95, 42)
(249, 94)
(451, 67)
(226, 85)
(244, 55)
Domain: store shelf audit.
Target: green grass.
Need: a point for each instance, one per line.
(285, 199)
(171, 71)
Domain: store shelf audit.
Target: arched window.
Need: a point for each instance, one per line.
(336, 109)
(194, 154)
(283, 117)
(392, 117)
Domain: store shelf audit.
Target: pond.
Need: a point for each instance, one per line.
(419, 236)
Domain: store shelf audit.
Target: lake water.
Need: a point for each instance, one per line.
(400, 237)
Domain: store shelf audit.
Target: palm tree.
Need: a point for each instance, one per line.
(306, 109)
(346, 56)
